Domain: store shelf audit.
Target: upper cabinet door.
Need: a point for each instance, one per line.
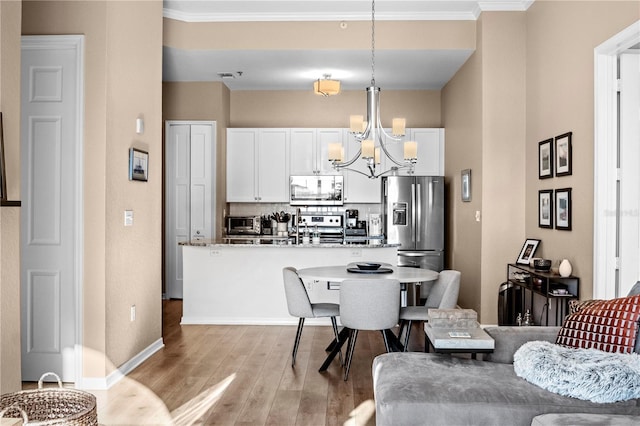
(302, 152)
(272, 163)
(430, 151)
(324, 137)
(241, 169)
(309, 152)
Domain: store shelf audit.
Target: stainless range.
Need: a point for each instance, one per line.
(330, 226)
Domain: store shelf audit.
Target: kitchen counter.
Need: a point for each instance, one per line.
(281, 242)
(242, 283)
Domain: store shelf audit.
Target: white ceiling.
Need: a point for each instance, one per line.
(297, 69)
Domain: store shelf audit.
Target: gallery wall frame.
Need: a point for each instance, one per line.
(528, 251)
(545, 208)
(465, 179)
(545, 159)
(563, 209)
(138, 164)
(563, 154)
(3, 175)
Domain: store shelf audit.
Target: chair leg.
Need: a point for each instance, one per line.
(406, 337)
(386, 340)
(297, 342)
(334, 324)
(401, 329)
(350, 348)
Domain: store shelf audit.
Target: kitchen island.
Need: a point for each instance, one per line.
(242, 283)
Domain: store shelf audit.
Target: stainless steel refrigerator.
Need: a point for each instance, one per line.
(413, 216)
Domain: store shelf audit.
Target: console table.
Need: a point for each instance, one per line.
(552, 287)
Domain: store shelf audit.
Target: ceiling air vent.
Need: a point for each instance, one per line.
(229, 75)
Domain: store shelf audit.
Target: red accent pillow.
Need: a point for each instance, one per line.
(607, 325)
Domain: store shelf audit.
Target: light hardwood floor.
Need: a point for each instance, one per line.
(242, 375)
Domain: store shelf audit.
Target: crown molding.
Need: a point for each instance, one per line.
(471, 12)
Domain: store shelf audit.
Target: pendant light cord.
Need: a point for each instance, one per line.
(373, 43)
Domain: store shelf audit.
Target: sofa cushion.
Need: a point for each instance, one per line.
(577, 305)
(438, 389)
(587, 374)
(509, 338)
(607, 325)
(581, 419)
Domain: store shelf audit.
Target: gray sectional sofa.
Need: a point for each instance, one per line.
(438, 389)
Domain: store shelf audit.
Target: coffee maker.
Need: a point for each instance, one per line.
(352, 218)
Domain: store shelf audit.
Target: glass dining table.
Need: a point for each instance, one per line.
(333, 275)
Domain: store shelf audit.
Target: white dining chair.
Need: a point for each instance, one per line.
(299, 305)
(368, 304)
(443, 295)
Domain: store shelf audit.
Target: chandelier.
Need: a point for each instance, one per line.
(371, 135)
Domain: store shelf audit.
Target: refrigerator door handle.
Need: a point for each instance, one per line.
(413, 212)
(418, 216)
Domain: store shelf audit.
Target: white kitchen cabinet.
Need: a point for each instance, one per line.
(430, 151)
(309, 150)
(257, 165)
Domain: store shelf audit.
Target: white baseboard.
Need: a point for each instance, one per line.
(104, 383)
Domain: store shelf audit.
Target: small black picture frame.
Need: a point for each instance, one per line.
(563, 209)
(528, 251)
(138, 164)
(545, 208)
(545, 159)
(563, 154)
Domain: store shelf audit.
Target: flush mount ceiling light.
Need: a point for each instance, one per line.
(370, 133)
(326, 86)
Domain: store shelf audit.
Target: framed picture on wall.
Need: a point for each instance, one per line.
(528, 251)
(563, 154)
(563, 209)
(466, 184)
(545, 208)
(3, 176)
(545, 159)
(138, 164)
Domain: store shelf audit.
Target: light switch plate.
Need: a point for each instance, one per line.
(128, 218)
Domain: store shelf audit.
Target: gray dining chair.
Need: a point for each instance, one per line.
(443, 295)
(368, 304)
(299, 305)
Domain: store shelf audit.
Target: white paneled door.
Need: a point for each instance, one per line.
(51, 215)
(189, 193)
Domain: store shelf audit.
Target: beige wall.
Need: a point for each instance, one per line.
(531, 78)
(10, 216)
(561, 37)
(122, 266)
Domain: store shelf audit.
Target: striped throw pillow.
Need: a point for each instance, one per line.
(607, 325)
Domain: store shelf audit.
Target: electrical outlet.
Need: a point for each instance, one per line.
(477, 215)
(133, 313)
(214, 252)
(356, 253)
(128, 218)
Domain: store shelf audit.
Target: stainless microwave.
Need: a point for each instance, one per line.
(243, 225)
(316, 190)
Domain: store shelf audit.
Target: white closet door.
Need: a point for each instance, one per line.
(629, 226)
(189, 197)
(51, 218)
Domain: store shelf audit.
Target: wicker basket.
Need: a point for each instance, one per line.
(50, 406)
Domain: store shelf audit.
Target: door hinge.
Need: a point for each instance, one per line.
(618, 85)
(617, 263)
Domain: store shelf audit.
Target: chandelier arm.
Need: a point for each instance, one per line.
(358, 171)
(383, 145)
(345, 164)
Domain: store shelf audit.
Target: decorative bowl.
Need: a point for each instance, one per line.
(542, 264)
(368, 266)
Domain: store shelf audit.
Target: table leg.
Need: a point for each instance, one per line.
(342, 338)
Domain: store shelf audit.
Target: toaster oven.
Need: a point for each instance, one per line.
(244, 225)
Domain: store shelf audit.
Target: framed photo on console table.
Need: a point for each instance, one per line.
(563, 209)
(545, 208)
(527, 252)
